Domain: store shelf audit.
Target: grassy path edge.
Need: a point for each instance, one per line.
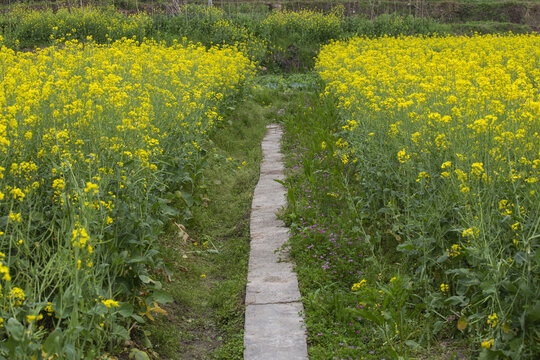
(209, 270)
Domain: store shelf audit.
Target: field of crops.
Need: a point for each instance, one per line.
(95, 141)
(437, 142)
(413, 160)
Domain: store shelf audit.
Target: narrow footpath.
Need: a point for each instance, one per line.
(274, 328)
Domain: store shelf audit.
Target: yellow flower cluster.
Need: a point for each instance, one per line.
(87, 133)
(473, 99)
(110, 303)
(16, 296)
(471, 232)
(493, 320)
(80, 237)
(445, 288)
(457, 122)
(487, 343)
(359, 285)
(454, 251)
(4, 269)
(79, 105)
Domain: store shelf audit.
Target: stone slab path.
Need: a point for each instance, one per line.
(274, 328)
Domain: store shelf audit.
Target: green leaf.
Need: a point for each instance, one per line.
(406, 247)
(138, 259)
(520, 258)
(412, 344)
(161, 297)
(188, 198)
(15, 329)
(99, 309)
(70, 352)
(145, 279)
(125, 309)
(442, 258)
(137, 354)
(54, 343)
(120, 331)
(533, 314)
(377, 319)
(438, 326)
(138, 318)
(146, 341)
(386, 315)
(455, 300)
(486, 355)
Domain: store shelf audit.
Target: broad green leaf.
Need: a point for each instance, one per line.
(137, 354)
(162, 297)
(54, 343)
(15, 329)
(125, 309)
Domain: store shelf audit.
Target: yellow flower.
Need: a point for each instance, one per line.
(462, 176)
(79, 236)
(17, 194)
(31, 318)
(403, 156)
(445, 288)
(15, 217)
(48, 309)
(505, 207)
(17, 296)
(357, 286)
(59, 184)
(110, 303)
(4, 270)
(493, 320)
(454, 251)
(487, 343)
(423, 175)
(91, 188)
(471, 232)
(477, 168)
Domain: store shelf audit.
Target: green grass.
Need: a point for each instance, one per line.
(206, 318)
(324, 232)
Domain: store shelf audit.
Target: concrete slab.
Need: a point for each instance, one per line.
(280, 336)
(272, 289)
(274, 325)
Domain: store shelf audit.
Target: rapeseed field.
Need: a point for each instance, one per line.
(94, 139)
